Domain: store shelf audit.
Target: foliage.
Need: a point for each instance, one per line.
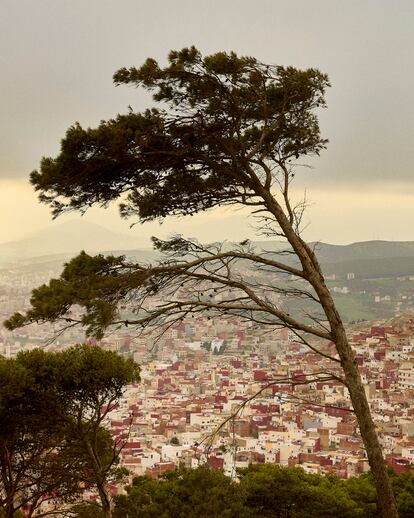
(84, 282)
(272, 491)
(51, 410)
(17, 514)
(87, 510)
(263, 490)
(200, 493)
(362, 490)
(190, 155)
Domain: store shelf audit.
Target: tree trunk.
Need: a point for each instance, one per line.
(313, 274)
(7, 482)
(386, 502)
(385, 496)
(105, 500)
(101, 485)
(98, 472)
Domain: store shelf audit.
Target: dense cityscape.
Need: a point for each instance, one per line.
(228, 393)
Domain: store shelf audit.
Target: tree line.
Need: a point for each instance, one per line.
(262, 491)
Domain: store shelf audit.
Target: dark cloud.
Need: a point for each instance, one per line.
(57, 59)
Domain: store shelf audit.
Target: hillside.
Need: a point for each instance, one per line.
(367, 259)
(364, 250)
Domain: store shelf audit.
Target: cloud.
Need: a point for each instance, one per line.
(20, 213)
(58, 59)
(346, 216)
(333, 215)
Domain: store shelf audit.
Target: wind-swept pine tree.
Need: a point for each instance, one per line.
(227, 130)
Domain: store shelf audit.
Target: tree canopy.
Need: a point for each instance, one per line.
(223, 123)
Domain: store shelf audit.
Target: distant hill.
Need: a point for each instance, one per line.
(364, 250)
(68, 238)
(367, 259)
(328, 253)
(371, 268)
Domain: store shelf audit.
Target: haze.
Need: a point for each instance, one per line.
(57, 59)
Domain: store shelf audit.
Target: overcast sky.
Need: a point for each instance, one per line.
(57, 58)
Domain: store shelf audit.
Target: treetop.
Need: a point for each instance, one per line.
(223, 128)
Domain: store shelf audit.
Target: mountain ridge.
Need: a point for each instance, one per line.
(375, 258)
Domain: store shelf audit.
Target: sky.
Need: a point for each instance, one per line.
(57, 58)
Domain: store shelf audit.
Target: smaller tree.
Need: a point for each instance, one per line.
(88, 382)
(52, 442)
(33, 464)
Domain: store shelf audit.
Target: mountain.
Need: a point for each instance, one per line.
(366, 259)
(68, 238)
